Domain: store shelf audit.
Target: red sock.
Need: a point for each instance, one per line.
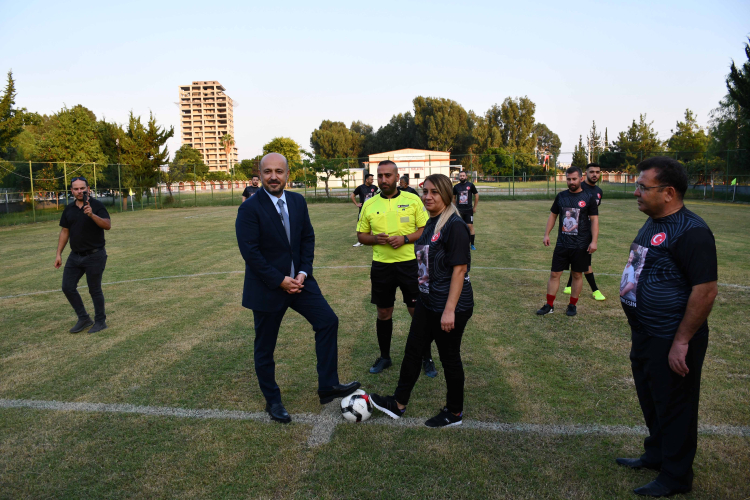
(573, 301)
(550, 300)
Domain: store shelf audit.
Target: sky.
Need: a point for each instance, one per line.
(290, 65)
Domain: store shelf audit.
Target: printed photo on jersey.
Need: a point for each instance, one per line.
(629, 281)
(463, 197)
(570, 220)
(423, 271)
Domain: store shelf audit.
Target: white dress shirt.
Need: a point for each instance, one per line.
(275, 200)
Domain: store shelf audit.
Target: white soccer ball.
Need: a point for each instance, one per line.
(356, 407)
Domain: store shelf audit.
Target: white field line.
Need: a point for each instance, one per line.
(197, 275)
(324, 424)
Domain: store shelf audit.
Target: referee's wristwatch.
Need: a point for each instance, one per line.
(406, 239)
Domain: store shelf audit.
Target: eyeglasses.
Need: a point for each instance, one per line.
(78, 179)
(645, 189)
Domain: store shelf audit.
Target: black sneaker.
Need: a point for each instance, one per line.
(546, 309)
(380, 365)
(98, 327)
(429, 368)
(388, 405)
(571, 311)
(444, 419)
(82, 323)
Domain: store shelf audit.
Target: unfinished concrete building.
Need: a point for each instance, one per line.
(206, 114)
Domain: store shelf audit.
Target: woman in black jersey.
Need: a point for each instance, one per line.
(445, 304)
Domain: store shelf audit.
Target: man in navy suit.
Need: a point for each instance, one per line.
(277, 241)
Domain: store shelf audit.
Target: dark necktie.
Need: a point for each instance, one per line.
(285, 223)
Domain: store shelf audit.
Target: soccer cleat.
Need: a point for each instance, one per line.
(546, 309)
(429, 368)
(444, 419)
(571, 311)
(358, 244)
(473, 247)
(598, 295)
(380, 365)
(567, 290)
(388, 405)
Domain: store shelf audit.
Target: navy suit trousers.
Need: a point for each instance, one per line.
(315, 309)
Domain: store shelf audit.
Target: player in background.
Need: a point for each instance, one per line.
(466, 199)
(251, 190)
(391, 222)
(365, 192)
(593, 174)
(403, 185)
(576, 238)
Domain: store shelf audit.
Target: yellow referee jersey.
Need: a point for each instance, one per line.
(398, 216)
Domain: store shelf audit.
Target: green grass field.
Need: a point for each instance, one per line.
(186, 342)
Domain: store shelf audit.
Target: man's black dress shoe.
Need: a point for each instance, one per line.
(278, 413)
(656, 489)
(636, 463)
(337, 391)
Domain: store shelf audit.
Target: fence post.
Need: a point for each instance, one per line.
(95, 178)
(232, 186)
(31, 179)
(195, 189)
(705, 176)
(119, 187)
(513, 162)
(726, 180)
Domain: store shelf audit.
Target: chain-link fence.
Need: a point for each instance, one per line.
(36, 191)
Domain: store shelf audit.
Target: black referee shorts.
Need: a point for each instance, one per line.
(386, 277)
(574, 258)
(467, 216)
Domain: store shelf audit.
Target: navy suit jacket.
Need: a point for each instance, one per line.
(268, 253)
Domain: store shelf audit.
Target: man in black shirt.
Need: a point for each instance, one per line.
(576, 238)
(466, 199)
(83, 223)
(667, 292)
(593, 172)
(365, 192)
(404, 185)
(251, 190)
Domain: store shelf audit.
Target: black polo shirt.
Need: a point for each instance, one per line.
(85, 235)
(365, 192)
(249, 191)
(408, 189)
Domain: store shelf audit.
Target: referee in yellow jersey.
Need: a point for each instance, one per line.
(391, 222)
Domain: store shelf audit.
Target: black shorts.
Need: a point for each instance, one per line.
(574, 258)
(386, 277)
(467, 216)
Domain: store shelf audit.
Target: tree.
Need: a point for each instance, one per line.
(186, 165)
(631, 146)
(227, 142)
(291, 151)
(368, 139)
(12, 120)
(688, 138)
(547, 141)
(249, 167)
(399, 133)
(334, 140)
(595, 145)
(325, 168)
(738, 84)
(144, 151)
(517, 125)
(580, 159)
(443, 123)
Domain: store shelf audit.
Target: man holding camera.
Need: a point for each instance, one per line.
(83, 223)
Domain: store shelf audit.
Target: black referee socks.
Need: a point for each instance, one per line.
(384, 329)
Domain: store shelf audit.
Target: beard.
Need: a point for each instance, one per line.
(275, 189)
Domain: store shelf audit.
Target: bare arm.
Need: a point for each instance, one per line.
(105, 224)
(594, 233)
(476, 201)
(448, 320)
(354, 200)
(61, 242)
(397, 241)
(699, 306)
(550, 224)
